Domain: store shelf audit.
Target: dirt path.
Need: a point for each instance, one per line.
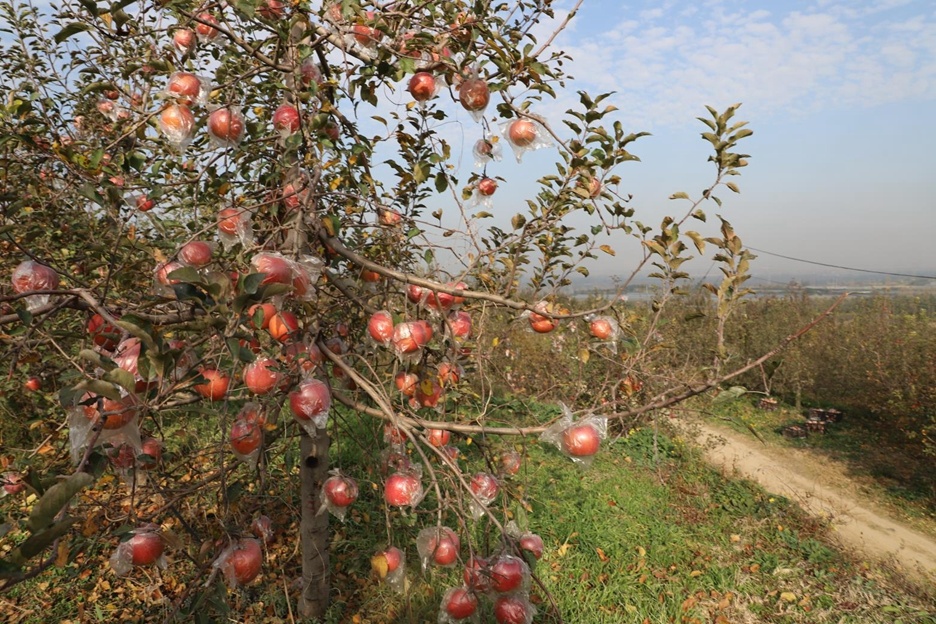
(860, 526)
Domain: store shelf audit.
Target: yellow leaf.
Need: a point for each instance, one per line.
(584, 355)
(45, 449)
(607, 249)
(695, 573)
(788, 597)
(641, 551)
(495, 342)
(61, 556)
(379, 565)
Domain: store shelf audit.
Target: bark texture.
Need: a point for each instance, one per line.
(313, 528)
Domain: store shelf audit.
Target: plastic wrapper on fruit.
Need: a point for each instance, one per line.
(579, 439)
(235, 225)
(438, 546)
(527, 541)
(525, 135)
(460, 605)
(177, 124)
(487, 150)
(310, 403)
(81, 423)
(338, 493)
(404, 488)
(514, 608)
(509, 575)
(226, 126)
(605, 330)
(123, 460)
(30, 276)
(145, 547)
(390, 567)
(482, 194)
(187, 88)
(240, 562)
(246, 439)
(485, 488)
(306, 272)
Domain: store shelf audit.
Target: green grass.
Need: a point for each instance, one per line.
(628, 539)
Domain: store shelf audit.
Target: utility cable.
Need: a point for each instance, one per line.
(836, 266)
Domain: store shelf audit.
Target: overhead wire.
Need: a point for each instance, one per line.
(838, 266)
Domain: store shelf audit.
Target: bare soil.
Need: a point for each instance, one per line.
(824, 490)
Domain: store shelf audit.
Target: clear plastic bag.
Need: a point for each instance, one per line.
(338, 493)
(525, 135)
(579, 440)
(145, 547)
(438, 546)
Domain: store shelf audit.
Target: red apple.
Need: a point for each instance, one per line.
(521, 132)
(272, 9)
(487, 186)
(428, 393)
(477, 574)
(184, 40)
(33, 384)
(369, 276)
(103, 334)
(232, 220)
(411, 336)
(443, 546)
(340, 491)
(415, 293)
(601, 328)
(365, 35)
(122, 457)
(277, 269)
(184, 86)
(438, 437)
(507, 574)
(144, 203)
(533, 544)
(195, 253)
(286, 119)
(260, 315)
(539, 323)
(31, 276)
(510, 462)
(283, 326)
(406, 383)
(394, 557)
(402, 489)
(261, 376)
(215, 386)
(116, 413)
(208, 30)
(513, 610)
(245, 560)
(380, 327)
(311, 399)
(485, 486)
(12, 483)
(422, 86)
(152, 448)
(449, 373)
(581, 440)
(393, 435)
(474, 94)
(246, 436)
(163, 270)
(146, 547)
(226, 125)
(460, 603)
(460, 324)
(177, 121)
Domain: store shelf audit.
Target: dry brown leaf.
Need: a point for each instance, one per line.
(61, 556)
(601, 555)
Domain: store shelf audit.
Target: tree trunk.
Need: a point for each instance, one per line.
(313, 528)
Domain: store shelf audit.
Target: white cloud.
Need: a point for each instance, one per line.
(665, 65)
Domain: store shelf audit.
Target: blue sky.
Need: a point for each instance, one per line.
(841, 96)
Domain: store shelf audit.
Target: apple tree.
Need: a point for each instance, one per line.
(237, 234)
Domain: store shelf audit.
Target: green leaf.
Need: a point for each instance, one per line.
(56, 497)
(35, 544)
(679, 195)
(186, 274)
(697, 240)
(97, 386)
(732, 186)
(441, 182)
(518, 221)
(122, 378)
(72, 29)
(730, 394)
(251, 283)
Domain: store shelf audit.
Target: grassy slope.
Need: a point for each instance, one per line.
(627, 540)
